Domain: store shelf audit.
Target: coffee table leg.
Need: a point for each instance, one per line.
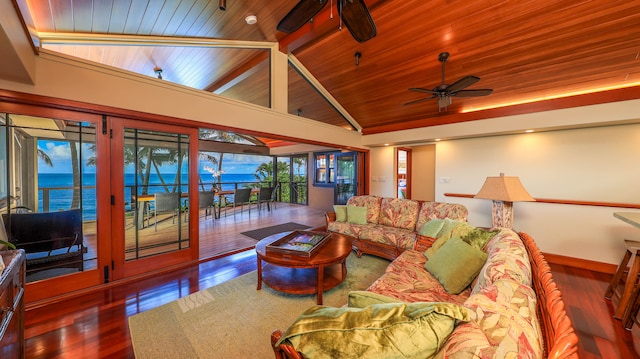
(259, 273)
(320, 283)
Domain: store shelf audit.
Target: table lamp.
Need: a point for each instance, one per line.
(503, 191)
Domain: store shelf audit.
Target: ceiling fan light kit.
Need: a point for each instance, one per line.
(445, 92)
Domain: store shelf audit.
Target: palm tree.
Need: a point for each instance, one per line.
(220, 136)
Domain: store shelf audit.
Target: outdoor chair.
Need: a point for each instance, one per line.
(241, 197)
(206, 202)
(274, 196)
(51, 240)
(166, 203)
(265, 196)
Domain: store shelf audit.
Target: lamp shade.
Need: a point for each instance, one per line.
(504, 188)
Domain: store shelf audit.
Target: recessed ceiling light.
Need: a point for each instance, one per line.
(529, 131)
(251, 19)
(438, 139)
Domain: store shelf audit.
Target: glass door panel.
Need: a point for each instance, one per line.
(153, 196)
(156, 179)
(48, 191)
(292, 177)
(51, 195)
(346, 183)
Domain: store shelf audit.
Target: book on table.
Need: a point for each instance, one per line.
(299, 243)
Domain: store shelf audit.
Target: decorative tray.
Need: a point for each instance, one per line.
(299, 243)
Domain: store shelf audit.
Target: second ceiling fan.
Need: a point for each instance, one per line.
(353, 13)
(444, 92)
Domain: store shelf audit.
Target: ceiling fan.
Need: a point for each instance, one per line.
(445, 92)
(353, 13)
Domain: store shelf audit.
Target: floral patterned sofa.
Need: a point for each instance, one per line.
(511, 309)
(388, 225)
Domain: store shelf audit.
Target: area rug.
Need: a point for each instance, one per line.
(260, 233)
(233, 319)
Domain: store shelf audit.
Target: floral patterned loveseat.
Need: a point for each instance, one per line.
(512, 309)
(391, 225)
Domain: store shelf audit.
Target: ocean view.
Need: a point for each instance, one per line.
(60, 199)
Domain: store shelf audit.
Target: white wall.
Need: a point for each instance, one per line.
(423, 172)
(382, 182)
(595, 164)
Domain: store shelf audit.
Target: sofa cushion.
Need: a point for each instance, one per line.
(398, 237)
(356, 215)
(506, 325)
(391, 330)
(407, 280)
(432, 228)
(399, 213)
(431, 210)
(456, 264)
(508, 260)
(345, 228)
(370, 202)
(341, 213)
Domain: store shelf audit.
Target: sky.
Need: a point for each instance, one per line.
(60, 156)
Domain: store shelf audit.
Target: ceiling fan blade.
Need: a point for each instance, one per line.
(300, 15)
(419, 100)
(472, 93)
(418, 89)
(356, 17)
(462, 83)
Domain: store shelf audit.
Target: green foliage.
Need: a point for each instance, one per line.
(8, 244)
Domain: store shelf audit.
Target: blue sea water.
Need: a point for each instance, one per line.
(60, 199)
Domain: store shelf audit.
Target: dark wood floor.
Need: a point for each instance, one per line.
(95, 325)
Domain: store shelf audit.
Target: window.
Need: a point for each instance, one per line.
(324, 169)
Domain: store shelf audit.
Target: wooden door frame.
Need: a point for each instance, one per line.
(120, 268)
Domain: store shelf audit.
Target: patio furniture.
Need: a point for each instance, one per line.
(206, 202)
(241, 196)
(265, 196)
(51, 240)
(166, 203)
(274, 196)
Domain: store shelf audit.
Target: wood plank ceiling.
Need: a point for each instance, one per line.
(526, 51)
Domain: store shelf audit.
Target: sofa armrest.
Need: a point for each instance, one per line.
(423, 243)
(283, 351)
(330, 217)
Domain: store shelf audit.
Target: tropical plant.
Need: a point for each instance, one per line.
(8, 244)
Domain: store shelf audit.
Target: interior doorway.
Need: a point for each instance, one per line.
(403, 172)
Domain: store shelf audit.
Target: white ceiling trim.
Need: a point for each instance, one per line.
(123, 40)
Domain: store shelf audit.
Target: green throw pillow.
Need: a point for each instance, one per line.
(479, 237)
(357, 215)
(456, 264)
(341, 213)
(432, 228)
(361, 299)
(391, 330)
(450, 226)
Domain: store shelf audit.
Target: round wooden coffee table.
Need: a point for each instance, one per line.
(300, 275)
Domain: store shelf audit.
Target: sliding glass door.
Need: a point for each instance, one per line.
(50, 182)
(346, 180)
(153, 193)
